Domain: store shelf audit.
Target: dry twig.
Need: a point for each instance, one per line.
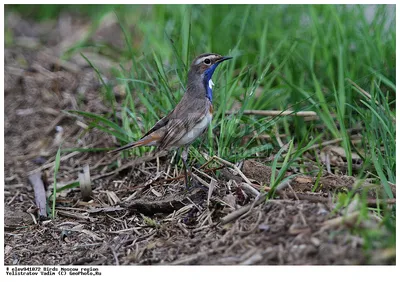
(277, 113)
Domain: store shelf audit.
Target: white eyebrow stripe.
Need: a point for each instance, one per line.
(198, 61)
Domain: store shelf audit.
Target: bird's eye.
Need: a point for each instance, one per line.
(207, 61)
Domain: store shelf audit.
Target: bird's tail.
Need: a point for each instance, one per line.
(141, 142)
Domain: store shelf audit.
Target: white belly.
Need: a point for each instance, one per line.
(196, 131)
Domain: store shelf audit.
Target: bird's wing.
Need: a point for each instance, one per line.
(187, 114)
(159, 124)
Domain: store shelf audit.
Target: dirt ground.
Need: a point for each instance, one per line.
(139, 212)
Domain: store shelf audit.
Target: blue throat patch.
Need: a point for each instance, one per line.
(207, 76)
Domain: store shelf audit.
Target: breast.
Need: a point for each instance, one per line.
(197, 130)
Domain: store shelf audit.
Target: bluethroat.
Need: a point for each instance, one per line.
(191, 116)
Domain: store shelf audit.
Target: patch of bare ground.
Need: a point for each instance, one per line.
(139, 212)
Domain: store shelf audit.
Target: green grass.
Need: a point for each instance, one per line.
(274, 68)
(297, 57)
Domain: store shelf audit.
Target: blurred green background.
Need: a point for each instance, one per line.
(363, 35)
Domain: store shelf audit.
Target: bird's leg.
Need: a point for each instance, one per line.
(184, 156)
(175, 159)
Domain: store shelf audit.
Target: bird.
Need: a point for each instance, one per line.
(191, 116)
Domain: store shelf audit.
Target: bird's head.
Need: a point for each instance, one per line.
(207, 63)
(203, 68)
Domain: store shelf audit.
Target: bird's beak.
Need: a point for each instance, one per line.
(224, 59)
